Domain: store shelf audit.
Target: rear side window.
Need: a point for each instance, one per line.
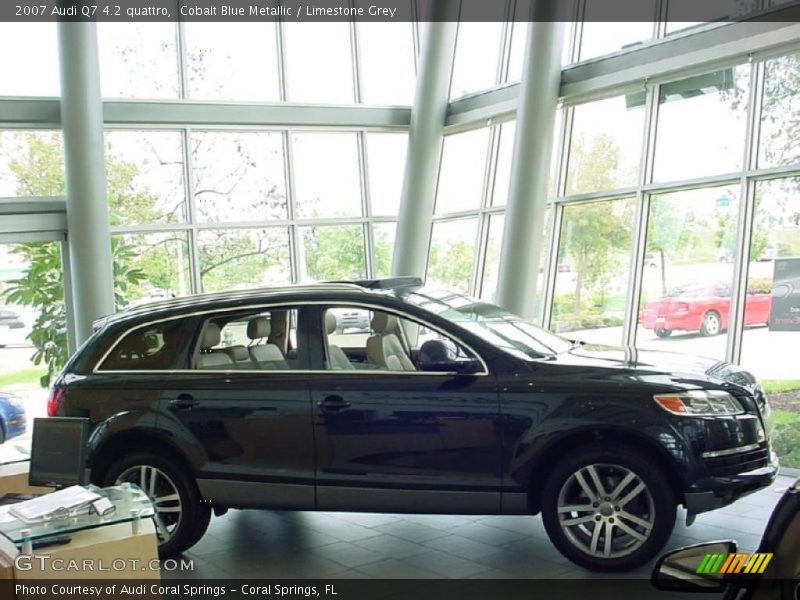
(160, 346)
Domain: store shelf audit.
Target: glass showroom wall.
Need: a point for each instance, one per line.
(209, 208)
(684, 168)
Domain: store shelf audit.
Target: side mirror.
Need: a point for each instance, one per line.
(440, 355)
(693, 568)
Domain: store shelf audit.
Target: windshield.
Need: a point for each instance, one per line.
(491, 323)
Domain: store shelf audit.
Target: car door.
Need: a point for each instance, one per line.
(400, 440)
(252, 419)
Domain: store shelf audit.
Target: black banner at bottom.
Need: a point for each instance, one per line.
(594, 587)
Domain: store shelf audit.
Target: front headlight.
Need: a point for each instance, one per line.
(700, 403)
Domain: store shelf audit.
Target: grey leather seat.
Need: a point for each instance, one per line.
(240, 357)
(384, 348)
(213, 359)
(265, 356)
(337, 359)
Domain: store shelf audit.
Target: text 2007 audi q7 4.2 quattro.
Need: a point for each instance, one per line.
(444, 404)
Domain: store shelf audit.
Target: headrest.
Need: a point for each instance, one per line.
(330, 322)
(382, 323)
(277, 323)
(257, 328)
(211, 336)
(238, 353)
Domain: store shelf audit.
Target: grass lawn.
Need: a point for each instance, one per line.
(29, 376)
(779, 386)
(784, 417)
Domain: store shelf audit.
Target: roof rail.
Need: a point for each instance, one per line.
(388, 283)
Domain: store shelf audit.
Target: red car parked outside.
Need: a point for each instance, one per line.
(703, 308)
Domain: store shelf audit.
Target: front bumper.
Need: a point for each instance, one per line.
(721, 491)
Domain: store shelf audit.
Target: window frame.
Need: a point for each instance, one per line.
(309, 335)
(321, 352)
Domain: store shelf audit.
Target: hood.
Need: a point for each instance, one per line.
(650, 361)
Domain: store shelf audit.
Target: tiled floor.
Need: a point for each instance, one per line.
(264, 544)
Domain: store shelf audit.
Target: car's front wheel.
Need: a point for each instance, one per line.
(608, 508)
(181, 519)
(663, 333)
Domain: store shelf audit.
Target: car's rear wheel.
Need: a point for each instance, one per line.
(712, 324)
(663, 333)
(608, 508)
(181, 519)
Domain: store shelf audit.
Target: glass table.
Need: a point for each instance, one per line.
(130, 504)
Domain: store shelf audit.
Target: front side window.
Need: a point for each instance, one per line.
(255, 340)
(362, 339)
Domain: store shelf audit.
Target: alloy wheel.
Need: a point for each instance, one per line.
(711, 323)
(606, 511)
(163, 493)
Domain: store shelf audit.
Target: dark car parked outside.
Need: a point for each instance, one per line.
(257, 399)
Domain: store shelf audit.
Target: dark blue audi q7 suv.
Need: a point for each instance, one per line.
(444, 404)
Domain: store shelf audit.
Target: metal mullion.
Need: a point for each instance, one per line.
(595, 196)
(552, 266)
(355, 65)
(691, 184)
(577, 34)
(636, 269)
(183, 76)
(481, 248)
(490, 174)
(455, 216)
(366, 227)
(191, 214)
(146, 228)
(661, 19)
(774, 172)
(295, 251)
(557, 213)
(733, 350)
(280, 47)
(415, 34)
(69, 298)
(504, 57)
(641, 218)
(366, 203)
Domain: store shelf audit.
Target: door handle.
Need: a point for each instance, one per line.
(333, 403)
(184, 402)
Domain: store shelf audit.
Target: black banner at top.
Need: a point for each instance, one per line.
(399, 10)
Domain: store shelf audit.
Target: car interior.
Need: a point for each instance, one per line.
(388, 343)
(263, 341)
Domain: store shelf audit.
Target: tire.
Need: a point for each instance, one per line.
(652, 508)
(175, 534)
(2, 432)
(711, 325)
(663, 333)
